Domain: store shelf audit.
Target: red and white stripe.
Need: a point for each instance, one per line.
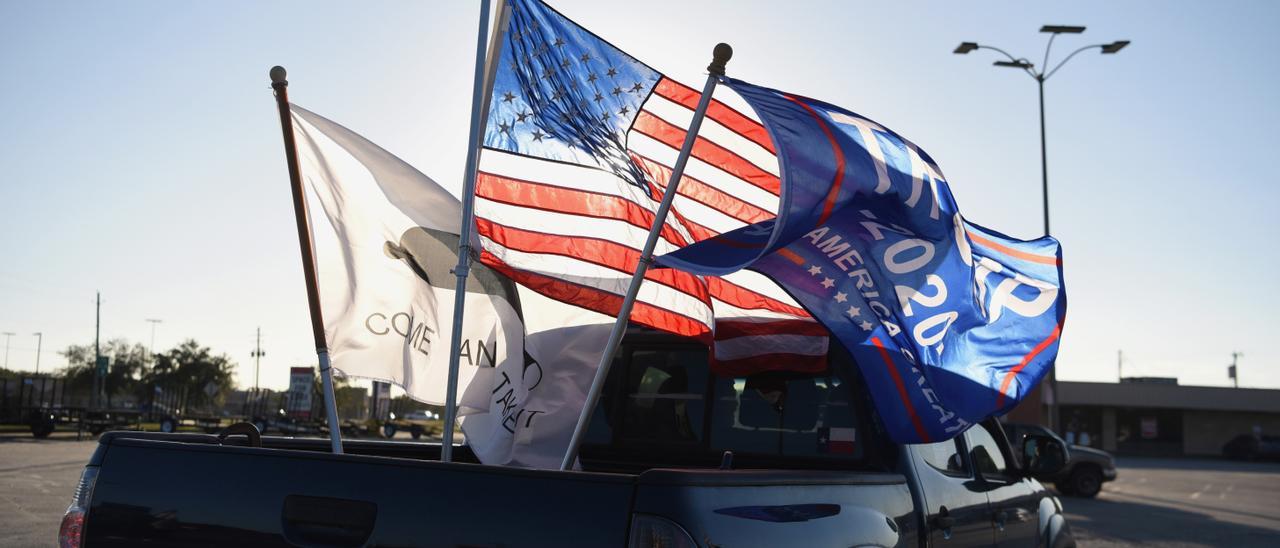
(574, 233)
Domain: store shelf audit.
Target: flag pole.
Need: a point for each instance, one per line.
(480, 93)
(280, 84)
(715, 71)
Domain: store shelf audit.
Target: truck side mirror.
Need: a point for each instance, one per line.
(1043, 456)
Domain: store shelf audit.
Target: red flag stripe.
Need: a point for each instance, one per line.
(589, 250)
(720, 112)
(545, 197)
(1012, 373)
(623, 259)
(742, 297)
(728, 329)
(707, 151)
(599, 300)
(703, 193)
(902, 390)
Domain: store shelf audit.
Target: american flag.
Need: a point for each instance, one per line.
(578, 149)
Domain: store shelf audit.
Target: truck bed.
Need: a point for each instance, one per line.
(165, 489)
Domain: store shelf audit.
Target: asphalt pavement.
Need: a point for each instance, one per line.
(37, 479)
(1154, 502)
(1182, 503)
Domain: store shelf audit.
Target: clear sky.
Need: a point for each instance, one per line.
(140, 152)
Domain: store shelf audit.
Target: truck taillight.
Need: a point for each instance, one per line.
(71, 533)
(649, 531)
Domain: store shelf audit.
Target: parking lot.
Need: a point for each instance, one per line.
(1182, 502)
(1164, 502)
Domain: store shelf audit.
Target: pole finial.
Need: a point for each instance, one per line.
(721, 55)
(279, 75)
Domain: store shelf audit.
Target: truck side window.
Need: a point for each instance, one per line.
(943, 456)
(986, 454)
(786, 414)
(665, 395)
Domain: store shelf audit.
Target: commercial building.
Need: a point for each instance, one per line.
(1157, 416)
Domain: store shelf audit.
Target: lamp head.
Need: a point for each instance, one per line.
(1014, 64)
(1062, 29)
(965, 47)
(1114, 46)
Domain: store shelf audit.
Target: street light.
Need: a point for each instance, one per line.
(1040, 78)
(1044, 73)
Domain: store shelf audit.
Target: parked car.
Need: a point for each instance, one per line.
(1086, 470)
(676, 457)
(1251, 447)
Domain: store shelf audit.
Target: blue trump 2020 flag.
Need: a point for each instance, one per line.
(949, 322)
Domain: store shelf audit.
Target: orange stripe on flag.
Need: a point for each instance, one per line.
(1014, 252)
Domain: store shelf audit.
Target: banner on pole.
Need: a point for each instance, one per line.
(949, 322)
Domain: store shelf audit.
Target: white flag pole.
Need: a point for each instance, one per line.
(715, 70)
(280, 84)
(480, 95)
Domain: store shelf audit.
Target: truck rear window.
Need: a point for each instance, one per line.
(665, 399)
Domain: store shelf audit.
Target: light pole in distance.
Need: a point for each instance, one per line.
(1040, 76)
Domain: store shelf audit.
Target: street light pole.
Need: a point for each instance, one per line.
(1044, 163)
(151, 354)
(39, 343)
(1040, 77)
(257, 355)
(7, 335)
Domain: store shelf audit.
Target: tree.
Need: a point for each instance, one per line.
(193, 367)
(352, 401)
(126, 364)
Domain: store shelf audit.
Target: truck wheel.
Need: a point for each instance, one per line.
(168, 426)
(1064, 487)
(388, 430)
(41, 430)
(1086, 481)
(415, 431)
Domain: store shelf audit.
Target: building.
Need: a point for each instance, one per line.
(1157, 416)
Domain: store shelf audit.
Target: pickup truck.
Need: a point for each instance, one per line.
(676, 456)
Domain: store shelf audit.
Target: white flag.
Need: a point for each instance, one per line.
(386, 290)
(387, 294)
(535, 405)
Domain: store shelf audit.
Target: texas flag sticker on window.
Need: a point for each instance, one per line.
(836, 440)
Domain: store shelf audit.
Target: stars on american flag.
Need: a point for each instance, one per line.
(565, 97)
(828, 283)
(815, 270)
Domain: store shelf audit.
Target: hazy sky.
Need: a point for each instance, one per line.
(141, 156)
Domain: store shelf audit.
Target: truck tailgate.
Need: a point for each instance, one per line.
(768, 508)
(167, 492)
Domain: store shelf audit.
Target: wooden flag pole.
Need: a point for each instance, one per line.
(482, 87)
(715, 71)
(280, 84)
